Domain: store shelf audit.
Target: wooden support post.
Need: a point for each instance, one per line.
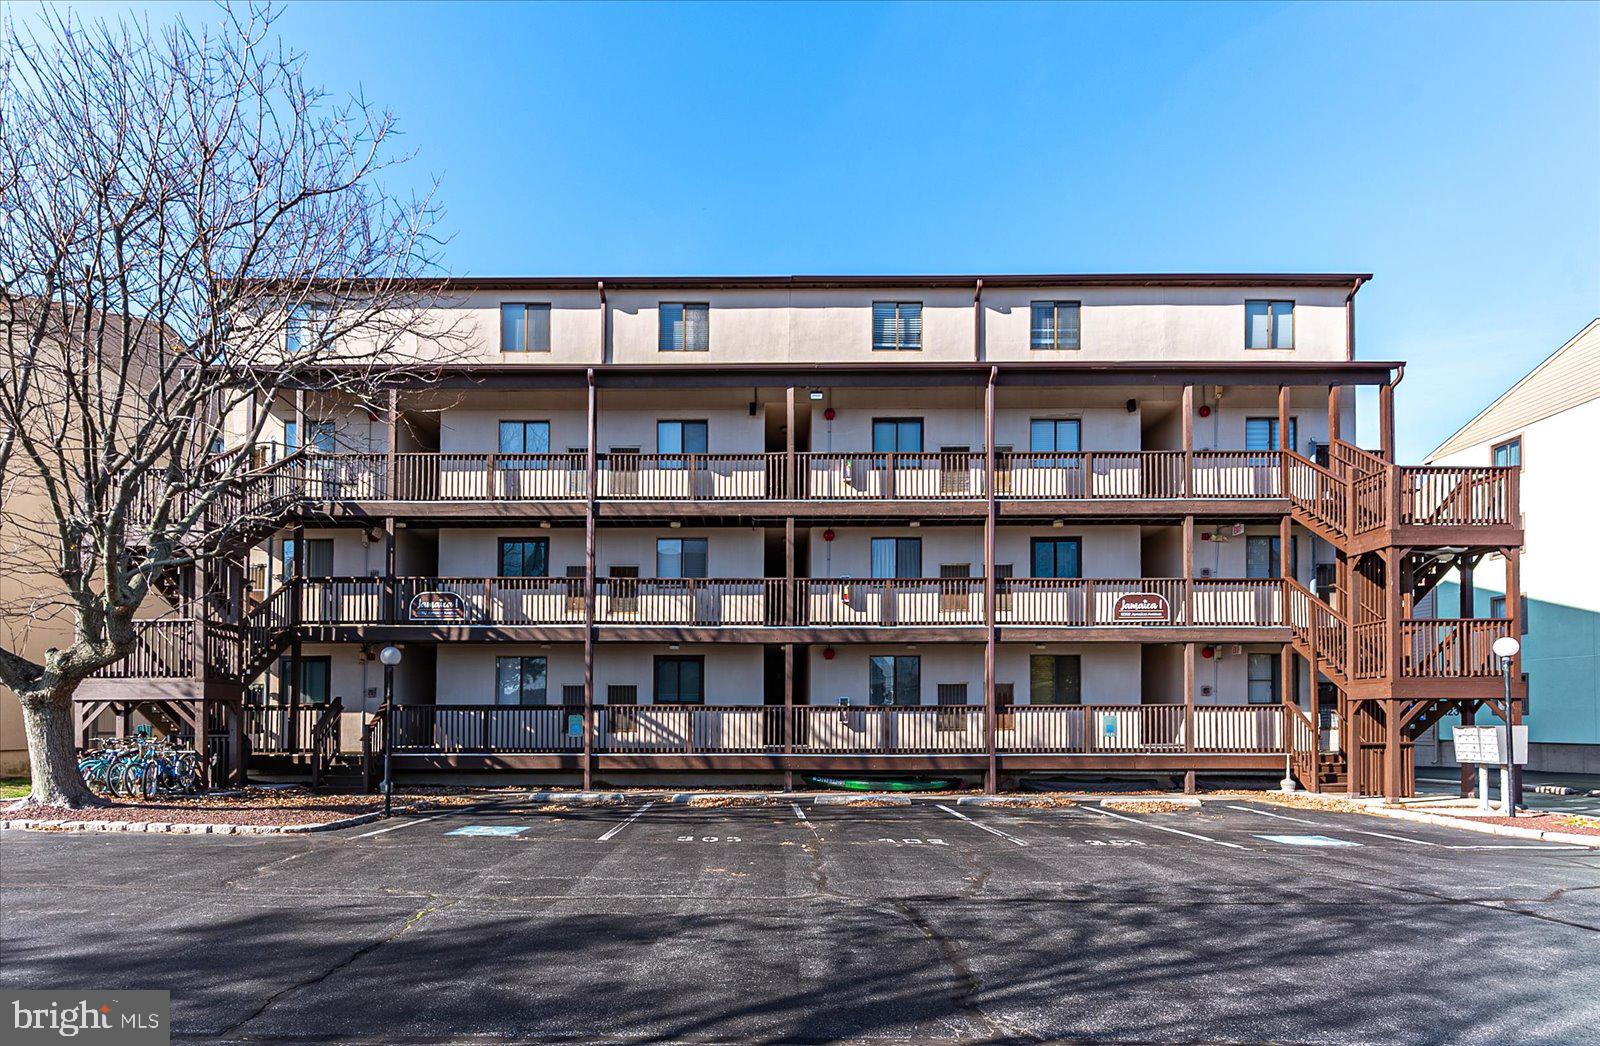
(391, 489)
(1386, 423)
(299, 420)
(791, 470)
(1187, 410)
(1335, 419)
(1286, 563)
(1189, 782)
(788, 716)
(991, 706)
(1284, 440)
(237, 755)
(1188, 572)
(391, 595)
(793, 600)
(1469, 776)
(589, 587)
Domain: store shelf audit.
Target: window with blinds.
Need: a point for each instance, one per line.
(685, 326)
(1055, 325)
(897, 326)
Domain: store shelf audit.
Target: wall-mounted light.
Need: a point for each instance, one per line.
(544, 525)
(675, 524)
(1058, 524)
(1133, 406)
(816, 395)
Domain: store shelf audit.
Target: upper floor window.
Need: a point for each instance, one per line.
(1055, 325)
(1262, 433)
(524, 557)
(1269, 324)
(685, 326)
(897, 435)
(897, 325)
(1509, 452)
(1262, 682)
(307, 327)
(524, 437)
(681, 557)
(525, 327)
(681, 437)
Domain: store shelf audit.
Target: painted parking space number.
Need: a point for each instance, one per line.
(709, 839)
(914, 842)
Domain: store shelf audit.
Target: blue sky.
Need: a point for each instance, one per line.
(1453, 151)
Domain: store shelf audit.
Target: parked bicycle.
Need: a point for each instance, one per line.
(141, 767)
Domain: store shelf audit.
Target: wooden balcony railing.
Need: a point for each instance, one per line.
(1451, 649)
(1085, 602)
(1441, 496)
(173, 648)
(691, 477)
(857, 729)
(890, 601)
(865, 476)
(775, 602)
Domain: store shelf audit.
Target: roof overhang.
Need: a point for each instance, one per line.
(879, 375)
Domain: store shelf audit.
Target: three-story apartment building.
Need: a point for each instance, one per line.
(974, 526)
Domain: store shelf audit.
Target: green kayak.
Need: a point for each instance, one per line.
(916, 784)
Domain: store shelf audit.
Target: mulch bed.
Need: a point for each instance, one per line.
(251, 806)
(1570, 824)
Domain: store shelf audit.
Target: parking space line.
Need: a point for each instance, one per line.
(799, 812)
(1336, 827)
(1281, 817)
(623, 824)
(397, 827)
(979, 824)
(1166, 828)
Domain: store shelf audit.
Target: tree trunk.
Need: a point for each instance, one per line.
(52, 751)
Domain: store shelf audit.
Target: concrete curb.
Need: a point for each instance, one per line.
(168, 828)
(685, 798)
(850, 798)
(1506, 830)
(577, 797)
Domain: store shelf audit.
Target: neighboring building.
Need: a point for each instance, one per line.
(1546, 424)
(774, 526)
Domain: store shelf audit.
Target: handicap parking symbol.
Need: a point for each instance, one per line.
(490, 829)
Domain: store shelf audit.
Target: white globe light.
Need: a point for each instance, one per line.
(1506, 646)
(389, 655)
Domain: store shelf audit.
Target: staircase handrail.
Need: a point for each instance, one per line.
(1338, 519)
(325, 738)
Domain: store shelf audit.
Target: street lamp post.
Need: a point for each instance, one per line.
(390, 656)
(1505, 648)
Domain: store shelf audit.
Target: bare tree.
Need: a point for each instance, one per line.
(187, 228)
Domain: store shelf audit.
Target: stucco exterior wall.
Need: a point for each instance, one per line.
(835, 325)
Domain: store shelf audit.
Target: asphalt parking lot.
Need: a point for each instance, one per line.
(519, 921)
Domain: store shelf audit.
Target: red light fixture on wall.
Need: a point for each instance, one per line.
(829, 414)
(1208, 652)
(828, 654)
(827, 535)
(1205, 411)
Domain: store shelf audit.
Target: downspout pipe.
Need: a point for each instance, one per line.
(977, 321)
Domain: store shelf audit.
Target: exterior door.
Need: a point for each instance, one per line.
(1055, 679)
